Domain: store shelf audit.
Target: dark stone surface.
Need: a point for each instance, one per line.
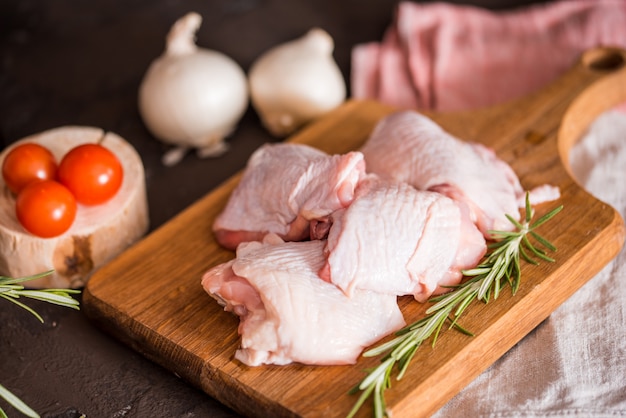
(76, 62)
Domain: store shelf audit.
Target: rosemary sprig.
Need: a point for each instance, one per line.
(500, 267)
(11, 289)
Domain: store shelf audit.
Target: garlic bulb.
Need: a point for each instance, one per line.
(192, 97)
(296, 82)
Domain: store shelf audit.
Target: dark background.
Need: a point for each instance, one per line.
(77, 62)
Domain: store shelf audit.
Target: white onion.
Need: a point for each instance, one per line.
(192, 97)
(296, 82)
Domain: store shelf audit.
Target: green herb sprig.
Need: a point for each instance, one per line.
(500, 267)
(11, 289)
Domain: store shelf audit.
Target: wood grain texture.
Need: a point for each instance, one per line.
(150, 297)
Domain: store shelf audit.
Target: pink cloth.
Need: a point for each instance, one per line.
(439, 56)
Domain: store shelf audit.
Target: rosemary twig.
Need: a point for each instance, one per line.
(500, 267)
(12, 289)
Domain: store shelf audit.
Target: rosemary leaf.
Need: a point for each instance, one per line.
(376, 374)
(10, 280)
(518, 225)
(359, 403)
(526, 256)
(21, 305)
(528, 208)
(383, 348)
(57, 298)
(475, 272)
(542, 240)
(469, 298)
(537, 251)
(545, 218)
(17, 403)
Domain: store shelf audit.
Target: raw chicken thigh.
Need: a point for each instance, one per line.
(410, 147)
(398, 240)
(325, 244)
(288, 314)
(283, 188)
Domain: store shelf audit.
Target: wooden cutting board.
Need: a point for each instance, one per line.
(150, 297)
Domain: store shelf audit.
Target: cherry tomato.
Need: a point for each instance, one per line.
(45, 208)
(92, 173)
(25, 163)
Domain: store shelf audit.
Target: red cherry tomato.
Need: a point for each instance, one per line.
(92, 173)
(45, 208)
(25, 163)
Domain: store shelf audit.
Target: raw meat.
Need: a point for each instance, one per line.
(398, 240)
(283, 188)
(410, 147)
(288, 314)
